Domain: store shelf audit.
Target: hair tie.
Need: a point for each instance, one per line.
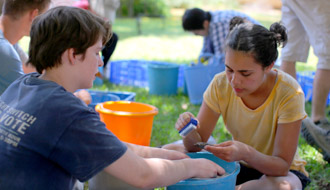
(277, 36)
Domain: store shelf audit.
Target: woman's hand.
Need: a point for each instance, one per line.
(183, 120)
(229, 151)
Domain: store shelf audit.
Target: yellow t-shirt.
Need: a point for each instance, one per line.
(257, 127)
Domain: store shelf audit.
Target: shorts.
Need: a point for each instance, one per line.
(248, 174)
(307, 23)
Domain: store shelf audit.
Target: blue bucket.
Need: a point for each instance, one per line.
(197, 78)
(163, 78)
(99, 97)
(225, 182)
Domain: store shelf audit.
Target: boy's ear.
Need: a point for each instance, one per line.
(71, 55)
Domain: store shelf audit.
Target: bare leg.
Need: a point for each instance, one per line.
(289, 182)
(321, 87)
(289, 67)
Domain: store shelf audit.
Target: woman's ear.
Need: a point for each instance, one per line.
(269, 68)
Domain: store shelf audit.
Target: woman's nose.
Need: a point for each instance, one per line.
(235, 79)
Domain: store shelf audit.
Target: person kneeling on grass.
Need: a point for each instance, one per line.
(49, 138)
(261, 107)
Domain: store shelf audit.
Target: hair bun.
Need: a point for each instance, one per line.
(280, 35)
(235, 21)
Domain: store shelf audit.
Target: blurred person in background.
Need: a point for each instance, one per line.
(15, 23)
(214, 27)
(308, 24)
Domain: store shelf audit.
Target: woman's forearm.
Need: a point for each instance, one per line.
(268, 165)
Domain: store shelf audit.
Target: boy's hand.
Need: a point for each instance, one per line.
(205, 168)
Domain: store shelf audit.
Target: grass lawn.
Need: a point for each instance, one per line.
(166, 41)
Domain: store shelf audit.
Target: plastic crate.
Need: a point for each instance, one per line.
(135, 73)
(305, 80)
(129, 72)
(103, 96)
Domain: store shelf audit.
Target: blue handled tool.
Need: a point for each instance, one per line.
(192, 125)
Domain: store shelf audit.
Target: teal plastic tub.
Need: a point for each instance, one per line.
(225, 182)
(163, 78)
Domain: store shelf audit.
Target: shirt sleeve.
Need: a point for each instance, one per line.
(218, 34)
(11, 67)
(212, 95)
(206, 46)
(293, 108)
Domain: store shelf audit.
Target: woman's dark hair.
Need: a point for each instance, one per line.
(62, 28)
(193, 19)
(256, 39)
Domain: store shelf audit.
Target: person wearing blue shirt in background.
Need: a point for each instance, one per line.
(15, 22)
(49, 138)
(213, 26)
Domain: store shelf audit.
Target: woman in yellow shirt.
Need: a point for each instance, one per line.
(261, 107)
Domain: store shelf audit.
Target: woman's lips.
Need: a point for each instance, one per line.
(238, 90)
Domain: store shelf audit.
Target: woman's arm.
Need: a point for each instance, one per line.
(154, 172)
(278, 164)
(285, 147)
(207, 119)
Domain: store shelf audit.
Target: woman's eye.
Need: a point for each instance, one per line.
(246, 75)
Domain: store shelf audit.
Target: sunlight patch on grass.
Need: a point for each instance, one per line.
(171, 49)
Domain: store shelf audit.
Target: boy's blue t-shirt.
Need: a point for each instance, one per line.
(49, 138)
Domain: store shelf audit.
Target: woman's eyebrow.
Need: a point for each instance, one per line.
(241, 71)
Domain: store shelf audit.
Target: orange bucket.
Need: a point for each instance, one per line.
(130, 121)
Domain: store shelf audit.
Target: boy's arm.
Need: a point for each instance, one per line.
(154, 172)
(152, 152)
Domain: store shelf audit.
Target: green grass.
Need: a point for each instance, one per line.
(168, 42)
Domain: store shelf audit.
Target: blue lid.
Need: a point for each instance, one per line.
(192, 121)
